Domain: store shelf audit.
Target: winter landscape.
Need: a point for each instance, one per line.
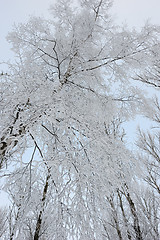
(67, 164)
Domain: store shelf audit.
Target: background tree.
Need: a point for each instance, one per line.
(3, 221)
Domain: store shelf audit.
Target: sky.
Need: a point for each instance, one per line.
(131, 12)
(136, 12)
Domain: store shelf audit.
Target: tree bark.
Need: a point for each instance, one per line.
(136, 225)
(39, 220)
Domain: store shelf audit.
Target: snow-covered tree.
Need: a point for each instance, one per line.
(65, 98)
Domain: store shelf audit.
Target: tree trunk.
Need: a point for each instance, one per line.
(124, 216)
(136, 225)
(39, 220)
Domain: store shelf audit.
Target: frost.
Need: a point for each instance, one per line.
(65, 98)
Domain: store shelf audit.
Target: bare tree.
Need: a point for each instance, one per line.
(63, 102)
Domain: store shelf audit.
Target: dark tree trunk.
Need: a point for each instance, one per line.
(39, 220)
(136, 225)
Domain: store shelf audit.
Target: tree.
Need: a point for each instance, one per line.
(3, 221)
(65, 98)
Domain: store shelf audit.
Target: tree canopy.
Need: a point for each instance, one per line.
(64, 155)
